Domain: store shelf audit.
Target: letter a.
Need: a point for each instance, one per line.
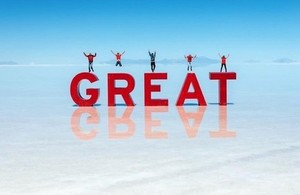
(191, 79)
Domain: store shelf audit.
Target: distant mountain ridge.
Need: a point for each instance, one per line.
(199, 60)
(8, 63)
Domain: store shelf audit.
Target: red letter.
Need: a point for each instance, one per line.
(149, 123)
(223, 131)
(92, 119)
(74, 89)
(113, 122)
(124, 92)
(187, 116)
(222, 77)
(185, 94)
(148, 88)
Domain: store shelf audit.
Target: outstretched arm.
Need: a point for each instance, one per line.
(220, 55)
(149, 52)
(184, 56)
(85, 54)
(195, 56)
(227, 56)
(112, 52)
(95, 54)
(154, 53)
(123, 52)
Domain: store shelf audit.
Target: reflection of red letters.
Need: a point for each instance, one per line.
(192, 131)
(74, 89)
(223, 132)
(92, 119)
(191, 79)
(222, 77)
(149, 88)
(114, 122)
(149, 123)
(124, 91)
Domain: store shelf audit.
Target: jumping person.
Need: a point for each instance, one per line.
(90, 59)
(189, 59)
(152, 58)
(223, 62)
(118, 57)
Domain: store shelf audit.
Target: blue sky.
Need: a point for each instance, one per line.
(53, 31)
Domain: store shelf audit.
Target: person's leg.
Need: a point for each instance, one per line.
(117, 62)
(89, 67)
(120, 63)
(225, 67)
(154, 66)
(92, 67)
(221, 67)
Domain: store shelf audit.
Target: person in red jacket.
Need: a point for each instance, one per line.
(223, 62)
(189, 59)
(90, 59)
(118, 57)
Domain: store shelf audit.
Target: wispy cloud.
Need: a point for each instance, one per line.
(252, 61)
(129, 61)
(8, 63)
(207, 61)
(284, 60)
(199, 60)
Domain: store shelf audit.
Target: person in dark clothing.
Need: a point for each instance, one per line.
(223, 62)
(118, 57)
(152, 59)
(189, 59)
(90, 59)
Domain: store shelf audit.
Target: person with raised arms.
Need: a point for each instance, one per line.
(223, 62)
(118, 57)
(152, 59)
(189, 59)
(90, 59)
